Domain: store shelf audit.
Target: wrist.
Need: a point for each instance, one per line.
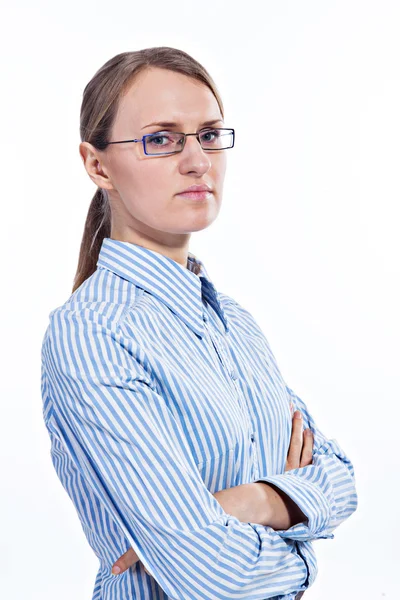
(282, 511)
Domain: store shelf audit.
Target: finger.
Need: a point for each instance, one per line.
(308, 444)
(296, 442)
(124, 562)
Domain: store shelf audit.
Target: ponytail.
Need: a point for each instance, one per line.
(97, 227)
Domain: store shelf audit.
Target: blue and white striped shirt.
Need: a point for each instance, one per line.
(159, 391)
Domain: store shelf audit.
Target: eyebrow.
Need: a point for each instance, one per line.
(173, 124)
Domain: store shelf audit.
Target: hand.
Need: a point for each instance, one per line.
(125, 561)
(301, 445)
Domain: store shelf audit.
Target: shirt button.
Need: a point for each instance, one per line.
(252, 437)
(234, 374)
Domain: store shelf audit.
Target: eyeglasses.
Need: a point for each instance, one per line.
(218, 138)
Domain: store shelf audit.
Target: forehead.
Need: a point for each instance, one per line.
(159, 94)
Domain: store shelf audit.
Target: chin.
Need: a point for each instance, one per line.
(199, 224)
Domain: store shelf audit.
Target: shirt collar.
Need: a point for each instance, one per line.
(181, 288)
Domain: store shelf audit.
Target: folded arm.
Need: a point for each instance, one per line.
(133, 454)
(323, 491)
(262, 503)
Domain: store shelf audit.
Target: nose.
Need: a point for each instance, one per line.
(193, 157)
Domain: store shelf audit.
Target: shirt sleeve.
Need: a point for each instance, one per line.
(325, 490)
(132, 452)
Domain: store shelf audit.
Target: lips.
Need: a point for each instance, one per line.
(196, 188)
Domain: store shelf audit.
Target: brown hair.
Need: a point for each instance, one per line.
(98, 110)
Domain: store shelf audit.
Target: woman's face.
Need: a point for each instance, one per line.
(143, 190)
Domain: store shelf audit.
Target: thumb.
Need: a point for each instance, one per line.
(125, 561)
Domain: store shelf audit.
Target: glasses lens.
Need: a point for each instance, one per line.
(216, 139)
(163, 142)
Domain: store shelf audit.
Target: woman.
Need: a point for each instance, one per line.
(171, 427)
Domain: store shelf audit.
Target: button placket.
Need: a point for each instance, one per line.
(226, 362)
(233, 377)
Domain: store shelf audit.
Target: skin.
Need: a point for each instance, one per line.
(143, 189)
(146, 210)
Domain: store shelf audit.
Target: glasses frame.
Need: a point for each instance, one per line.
(185, 135)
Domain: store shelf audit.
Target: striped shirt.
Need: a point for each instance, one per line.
(158, 391)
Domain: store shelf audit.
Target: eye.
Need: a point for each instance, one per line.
(210, 136)
(155, 139)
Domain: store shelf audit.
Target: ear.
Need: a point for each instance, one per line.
(94, 164)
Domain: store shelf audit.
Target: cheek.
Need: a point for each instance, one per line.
(219, 168)
(148, 179)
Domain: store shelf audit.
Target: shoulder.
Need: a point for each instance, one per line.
(93, 315)
(238, 314)
(246, 326)
(103, 298)
(85, 342)
(228, 302)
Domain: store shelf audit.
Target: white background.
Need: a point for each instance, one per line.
(307, 240)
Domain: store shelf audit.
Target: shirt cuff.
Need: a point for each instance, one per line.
(312, 502)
